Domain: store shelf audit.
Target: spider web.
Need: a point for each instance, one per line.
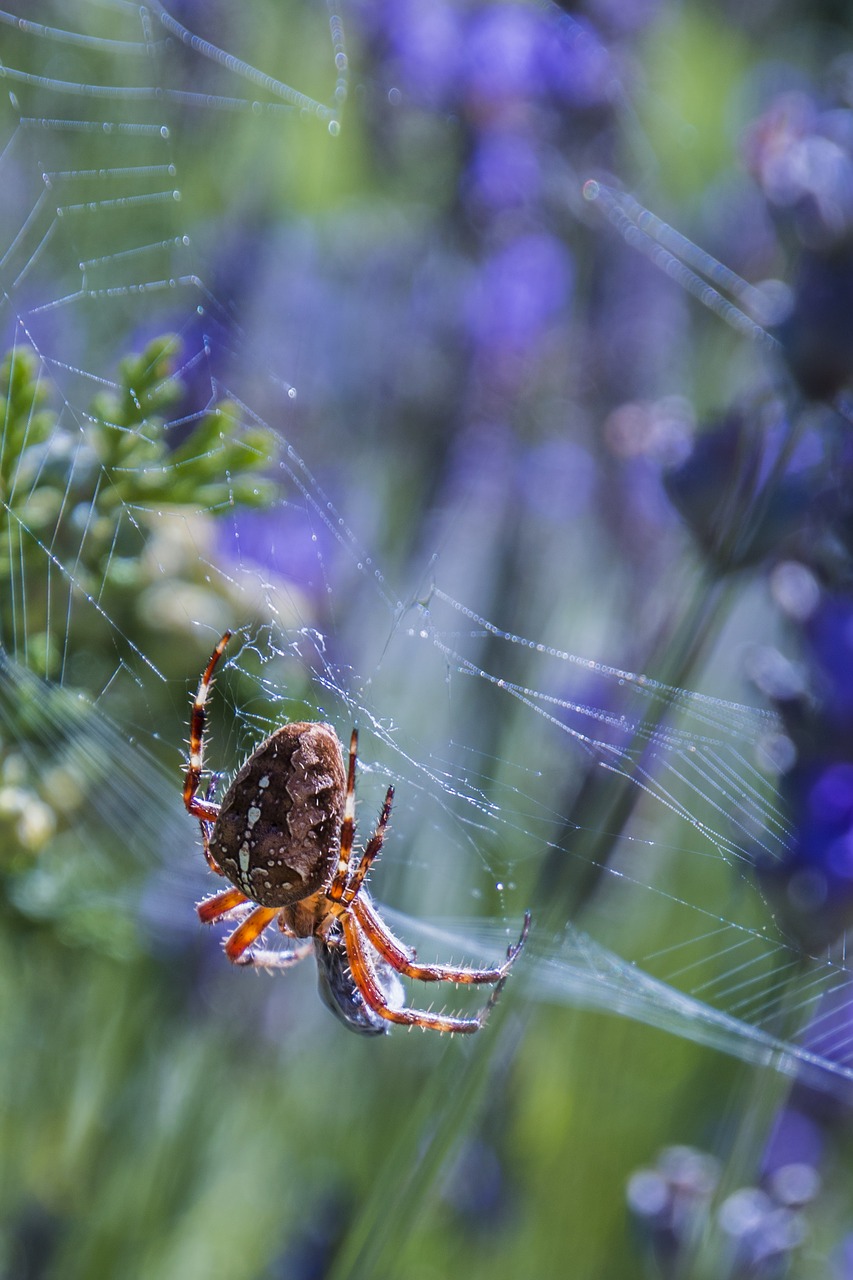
(488, 734)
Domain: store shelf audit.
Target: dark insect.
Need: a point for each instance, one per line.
(283, 835)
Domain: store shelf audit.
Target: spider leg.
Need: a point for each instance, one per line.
(218, 906)
(248, 932)
(339, 883)
(201, 809)
(263, 958)
(207, 827)
(403, 959)
(371, 851)
(365, 979)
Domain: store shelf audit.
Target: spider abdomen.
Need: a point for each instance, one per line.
(278, 831)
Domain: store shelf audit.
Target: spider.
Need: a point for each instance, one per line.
(283, 835)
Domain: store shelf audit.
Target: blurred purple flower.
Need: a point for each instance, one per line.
(284, 543)
(504, 171)
(557, 480)
(763, 1234)
(803, 159)
(520, 290)
(501, 55)
(573, 63)
(669, 1200)
(425, 44)
(795, 1139)
(817, 334)
(829, 634)
(813, 882)
(729, 494)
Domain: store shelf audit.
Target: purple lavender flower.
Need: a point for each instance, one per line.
(737, 507)
(424, 44)
(574, 64)
(501, 55)
(505, 170)
(795, 1140)
(811, 884)
(520, 290)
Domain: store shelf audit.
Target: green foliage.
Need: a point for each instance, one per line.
(215, 466)
(76, 495)
(75, 529)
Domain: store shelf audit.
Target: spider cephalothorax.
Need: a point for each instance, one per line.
(283, 835)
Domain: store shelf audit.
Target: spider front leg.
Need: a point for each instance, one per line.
(204, 810)
(220, 905)
(339, 882)
(248, 932)
(344, 886)
(371, 851)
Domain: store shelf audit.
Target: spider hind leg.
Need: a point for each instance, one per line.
(340, 992)
(404, 960)
(365, 978)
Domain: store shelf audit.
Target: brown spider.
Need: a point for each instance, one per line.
(283, 835)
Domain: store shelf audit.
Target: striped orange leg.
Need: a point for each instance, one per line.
(371, 851)
(237, 946)
(339, 883)
(218, 906)
(368, 984)
(201, 809)
(403, 958)
(248, 932)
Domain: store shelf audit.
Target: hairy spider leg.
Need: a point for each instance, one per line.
(371, 990)
(206, 825)
(204, 810)
(247, 932)
(263, 958)
(371, 851)
(339, 883)
(218, 906)
(250, 930)
(403, 958)
(201, 809)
